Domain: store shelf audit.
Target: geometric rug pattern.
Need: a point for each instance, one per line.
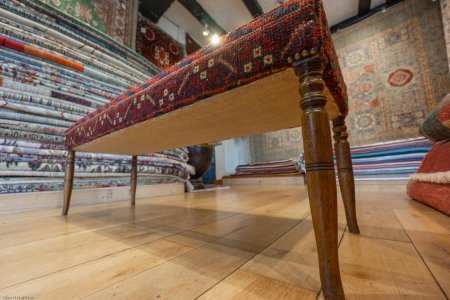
(396, 69)
(109, 16)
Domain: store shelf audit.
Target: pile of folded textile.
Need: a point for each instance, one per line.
(387, 161)
(53, 71)
(390, 160)
(288, 166)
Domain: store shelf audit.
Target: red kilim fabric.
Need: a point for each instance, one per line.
(432, 194)
(437, 159)
(271, 43)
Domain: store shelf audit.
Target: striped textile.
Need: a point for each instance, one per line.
(53, 71)
(390, 160)
(288, 166)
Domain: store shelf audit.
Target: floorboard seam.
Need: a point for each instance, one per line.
(194, 248)
(256, 254)
(421, 257)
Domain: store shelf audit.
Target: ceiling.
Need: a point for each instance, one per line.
(231, 14)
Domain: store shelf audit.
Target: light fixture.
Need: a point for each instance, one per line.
(206, 30)
(215, 39)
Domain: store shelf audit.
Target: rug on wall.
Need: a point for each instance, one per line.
(154, 44)
(396, 70)
(109, 16)
(395, 67)
(445, 9)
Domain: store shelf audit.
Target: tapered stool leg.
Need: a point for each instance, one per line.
(133, 180)
(345, 172)
(68, 181)
(320, 174)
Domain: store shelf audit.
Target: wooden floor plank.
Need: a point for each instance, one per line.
(88, 278)
(247, 286)
(244, 242)
(185, 277)
(292, 258)
(435, 250)
(195, 272)
(382, 269)
(429, 231)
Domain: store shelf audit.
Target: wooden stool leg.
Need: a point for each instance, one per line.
(320, 174)
(68, 180)
(345, 172)
(133, 179)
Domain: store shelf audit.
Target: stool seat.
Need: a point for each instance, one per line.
(243, 85)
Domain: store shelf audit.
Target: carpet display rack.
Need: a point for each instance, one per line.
(54, 70)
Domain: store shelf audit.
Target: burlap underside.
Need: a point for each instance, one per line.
(269, 104)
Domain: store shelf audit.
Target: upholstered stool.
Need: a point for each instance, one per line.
(247, 84)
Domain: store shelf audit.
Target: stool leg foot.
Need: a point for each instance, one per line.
(68, 181)
(133, 179)
(345, 172)
(320, 174)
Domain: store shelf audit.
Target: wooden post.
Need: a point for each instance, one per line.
(345, 172)
(320, 174)
(133, 179)
(68, 180)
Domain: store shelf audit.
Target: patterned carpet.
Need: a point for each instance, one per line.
(109, 16)
(396, 69)
(395, 66)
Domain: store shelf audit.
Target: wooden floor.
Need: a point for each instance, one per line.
(242, 243)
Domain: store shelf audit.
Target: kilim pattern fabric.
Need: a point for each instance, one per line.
(271, 43)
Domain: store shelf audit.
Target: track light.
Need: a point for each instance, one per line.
(215, 39)
(206, 30)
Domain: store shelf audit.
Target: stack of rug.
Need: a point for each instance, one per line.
(288, 166)
(53, 71)
(389, 161)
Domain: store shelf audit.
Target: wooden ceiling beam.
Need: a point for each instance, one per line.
(359, 18)
(363, 7)
(154, 9)
(202, 16)
(253, 7)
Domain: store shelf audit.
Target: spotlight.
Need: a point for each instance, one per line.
(206, 31)
(215, 39)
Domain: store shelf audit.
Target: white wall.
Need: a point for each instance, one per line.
(229, 154)
(172, 29)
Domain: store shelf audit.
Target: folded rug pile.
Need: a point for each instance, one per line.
(53, 71)
(288, 166)
(390, 160)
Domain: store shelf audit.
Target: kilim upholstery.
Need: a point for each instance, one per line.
(267, 46)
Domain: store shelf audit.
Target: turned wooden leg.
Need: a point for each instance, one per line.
(68, 180)
(133, 179)
(320, 174)
(345, 172)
